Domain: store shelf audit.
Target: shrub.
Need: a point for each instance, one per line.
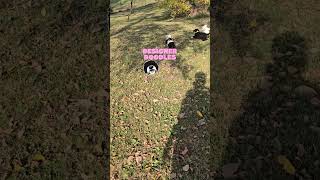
(177, 8)
(202, 3)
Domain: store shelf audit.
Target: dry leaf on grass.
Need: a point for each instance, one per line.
(138, 160)
(130, 159)
(199, 114)
(173, 175)
(17, 167)
(181, 115)
(38, 157)
(201, 122)
(287, 165)
(186, 167)
(43, 11)
(184, 152)
(36, 66)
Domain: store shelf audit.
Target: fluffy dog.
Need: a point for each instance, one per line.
(170, 42)
(202, 34)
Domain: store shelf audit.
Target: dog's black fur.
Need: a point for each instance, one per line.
(170, 44)
(200, 35)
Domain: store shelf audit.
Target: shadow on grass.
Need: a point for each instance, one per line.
(152, 36)
(135, 39)
(183, 66)
(277, 135)
(189, 137)
(125, 12)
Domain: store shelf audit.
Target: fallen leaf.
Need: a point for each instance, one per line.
(20, 133)
(184, 152)
(38, 157)
(130, 159)
(138, 160)
(43, 11)
(36, 66)
(253, 23)
(228, 170)
(183, 128)
(201, 122)
(17, 167)
(186, 167)
(181, 115)
(287, 165)
(199, 114)
(173, 175)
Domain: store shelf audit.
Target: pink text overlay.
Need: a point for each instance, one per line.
(159, 54)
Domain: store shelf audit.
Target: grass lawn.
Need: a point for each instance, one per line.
(151, 116)
(52, 76)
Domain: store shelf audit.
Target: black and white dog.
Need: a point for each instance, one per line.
(202, 34)
(170, 42)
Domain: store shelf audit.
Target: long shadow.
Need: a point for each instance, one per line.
(187, 148)
(182, 64)
(277, 135)
(135, 9)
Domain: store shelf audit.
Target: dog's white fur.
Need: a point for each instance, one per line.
(169, 41)
(168, 36)
(205, 29)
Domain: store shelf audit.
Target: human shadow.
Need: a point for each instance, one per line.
(277, 135)
(187, 148)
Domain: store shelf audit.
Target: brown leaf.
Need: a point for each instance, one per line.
(181, 115)
(36, 66)
(229, 170)
(130, 159)
(20, 133)
(186, 167)
(173, 175)
(138, 160)
(184, 152)
(287, 165)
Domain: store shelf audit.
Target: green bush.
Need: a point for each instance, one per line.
(177, 8)
(201, 3)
